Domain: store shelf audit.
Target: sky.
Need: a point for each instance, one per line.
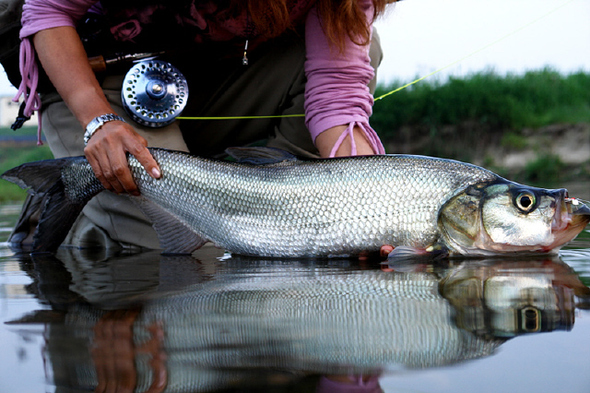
(422, 36)
(509, 36)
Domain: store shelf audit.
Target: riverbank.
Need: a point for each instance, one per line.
(533, 128)
(557, 152)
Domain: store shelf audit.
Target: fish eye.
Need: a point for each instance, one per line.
(525, 201)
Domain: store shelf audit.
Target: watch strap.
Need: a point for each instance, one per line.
(98, 122)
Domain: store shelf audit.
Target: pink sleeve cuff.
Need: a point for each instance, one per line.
(369, 134)
(44, 14)
(336, 91)
(40, 15)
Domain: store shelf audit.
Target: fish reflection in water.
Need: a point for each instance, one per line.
(507, 299)
(176, 324)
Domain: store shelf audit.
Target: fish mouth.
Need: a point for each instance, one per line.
(570, 218)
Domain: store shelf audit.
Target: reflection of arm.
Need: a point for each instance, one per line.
(114, 353)
(337, 98)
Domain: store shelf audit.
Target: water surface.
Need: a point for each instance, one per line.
(80, 321)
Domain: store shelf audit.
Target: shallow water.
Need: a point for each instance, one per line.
(78, 321)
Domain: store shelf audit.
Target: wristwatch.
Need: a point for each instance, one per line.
(98, 122)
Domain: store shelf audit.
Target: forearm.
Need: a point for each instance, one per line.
(338, 102)
(64, 59)
(326, 140)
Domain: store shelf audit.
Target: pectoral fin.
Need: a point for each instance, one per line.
(175, 236)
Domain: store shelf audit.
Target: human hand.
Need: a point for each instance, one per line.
(106, 153)
(65, 61)
(349, 383)
(385, 250)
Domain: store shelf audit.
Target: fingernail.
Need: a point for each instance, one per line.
(156, 173)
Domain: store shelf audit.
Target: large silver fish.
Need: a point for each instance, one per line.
(270, 203)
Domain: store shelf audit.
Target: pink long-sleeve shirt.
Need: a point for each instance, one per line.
(336, 90)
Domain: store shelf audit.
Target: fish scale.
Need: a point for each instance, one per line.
(298, 208)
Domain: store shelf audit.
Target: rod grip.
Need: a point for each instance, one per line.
(97, 63)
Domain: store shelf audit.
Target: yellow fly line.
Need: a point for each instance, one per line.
(399, 88)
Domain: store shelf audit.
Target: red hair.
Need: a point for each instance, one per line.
(341, 18)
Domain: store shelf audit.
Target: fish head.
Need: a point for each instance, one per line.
(505, 217)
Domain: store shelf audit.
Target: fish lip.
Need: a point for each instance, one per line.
(563, 212)
(577, 207)
(573, 212)
(570, 218)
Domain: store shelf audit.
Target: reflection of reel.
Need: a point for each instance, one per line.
(154, 93)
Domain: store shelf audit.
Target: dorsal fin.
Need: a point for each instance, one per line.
(259, 155)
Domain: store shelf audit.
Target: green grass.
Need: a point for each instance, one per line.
(11, 156)
(545, 169)
(30, 131)
(509, 102)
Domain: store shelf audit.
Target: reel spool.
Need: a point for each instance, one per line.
(154, 93)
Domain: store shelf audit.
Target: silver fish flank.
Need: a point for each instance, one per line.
(273, 204)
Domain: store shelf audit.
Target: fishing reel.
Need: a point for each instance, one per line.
(154, 93)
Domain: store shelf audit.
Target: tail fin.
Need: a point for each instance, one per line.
(60, 207)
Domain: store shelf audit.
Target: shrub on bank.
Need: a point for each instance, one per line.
(509, 102)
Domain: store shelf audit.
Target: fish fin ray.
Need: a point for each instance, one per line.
(403, 253)
(407, 252)
(260, 155)
(36, 177)
(44, 178)
(175, 236)
(57, 217)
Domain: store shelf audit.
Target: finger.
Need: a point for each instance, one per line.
(364, 256)
(110, 178)
(158, 362)
(98, 358)
(145, 158)
(97, 169)
(160, 376)
(386, 250)
(119, 173)
(109, 147)
(124, 351)
(103, 354)
(102, 167)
